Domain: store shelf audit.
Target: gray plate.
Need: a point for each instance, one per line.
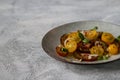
(52, 38)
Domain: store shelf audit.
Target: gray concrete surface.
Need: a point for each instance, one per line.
(23, 23)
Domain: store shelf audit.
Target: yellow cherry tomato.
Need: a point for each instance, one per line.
(112, 49)
(92, 34)
(107, 38)
(97, 50)
(71, 45)
(74, 36)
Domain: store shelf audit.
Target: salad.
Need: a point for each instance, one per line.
(88, 45)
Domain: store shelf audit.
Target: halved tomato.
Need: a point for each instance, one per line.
(107, 37)
(92, 34)
(74, 36)
(60, 52)
(71, 45)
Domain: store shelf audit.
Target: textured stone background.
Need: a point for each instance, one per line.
(23, 23)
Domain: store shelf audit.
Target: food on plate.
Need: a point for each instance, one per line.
(113, 49)
(88, 45)
(108, 38)
(70, 45)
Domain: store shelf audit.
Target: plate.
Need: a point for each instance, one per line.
(52, 38)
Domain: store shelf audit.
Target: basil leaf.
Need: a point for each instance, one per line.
(81, 36)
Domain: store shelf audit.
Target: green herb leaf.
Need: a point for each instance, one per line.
(86, 40)
(64, 49)
(105, 57)
(100, 58)
(118, 38)
(81, 35)
(95, 28)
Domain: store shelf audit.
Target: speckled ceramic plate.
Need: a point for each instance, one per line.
(52, 38)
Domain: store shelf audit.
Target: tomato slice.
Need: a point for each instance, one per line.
(92, 34)
(107, 38)
(71, 45)
(74, 36)
(113, 49)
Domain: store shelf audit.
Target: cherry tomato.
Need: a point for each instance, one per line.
(60, 52)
